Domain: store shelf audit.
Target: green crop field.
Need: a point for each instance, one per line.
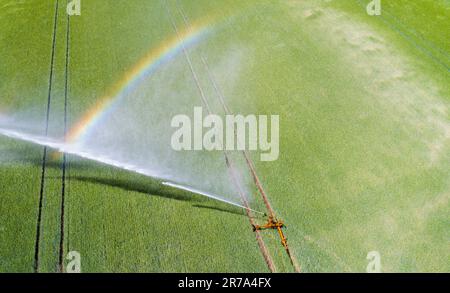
(364, 154)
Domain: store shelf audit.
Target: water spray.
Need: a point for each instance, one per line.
(73, 150)
(196, 191)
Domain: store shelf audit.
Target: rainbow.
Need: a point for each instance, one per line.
(158, 56)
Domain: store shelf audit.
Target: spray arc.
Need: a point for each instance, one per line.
(73, 150)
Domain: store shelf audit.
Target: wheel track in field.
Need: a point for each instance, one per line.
(260, 240)
(248, 160)
(44, 156)
(64, 165)
(408, 35)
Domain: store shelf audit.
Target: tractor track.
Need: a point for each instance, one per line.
(44, 156)
(257, 181)
(64, 159)
(268, 259)
(245, 154)
(403, 31)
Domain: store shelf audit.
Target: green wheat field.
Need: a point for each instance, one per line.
(364, 161)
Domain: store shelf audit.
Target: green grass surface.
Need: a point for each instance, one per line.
(364, 136)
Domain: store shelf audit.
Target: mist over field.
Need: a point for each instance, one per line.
(364, 135)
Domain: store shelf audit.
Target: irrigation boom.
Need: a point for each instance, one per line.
(275, 224)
